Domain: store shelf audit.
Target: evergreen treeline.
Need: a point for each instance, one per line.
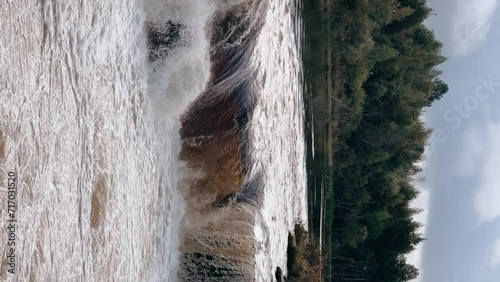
(383, 72)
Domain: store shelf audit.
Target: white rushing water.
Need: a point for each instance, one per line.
(277, 136)
(91, 129)
(92, 133)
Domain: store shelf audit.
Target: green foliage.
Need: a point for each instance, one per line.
(304, 258)
(383, 70)
(440, 88)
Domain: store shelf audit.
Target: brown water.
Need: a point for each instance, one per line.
(93, 132)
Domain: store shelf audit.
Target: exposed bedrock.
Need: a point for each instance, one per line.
(212, 151)
(221, 249)
(279, 275)
(162, 38)
(217, 242)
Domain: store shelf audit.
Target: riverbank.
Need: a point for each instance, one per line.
(321, 88)
(370, 72)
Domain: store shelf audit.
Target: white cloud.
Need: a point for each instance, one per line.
(487, 197)
(473, 145)
(495, 260)
(471, 24)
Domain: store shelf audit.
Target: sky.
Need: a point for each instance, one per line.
(460, 192)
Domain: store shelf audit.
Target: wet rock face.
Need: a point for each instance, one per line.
(211, 132)
(218, 245)
(217, 242)
(212, 151)
(279, 275)
(161, 39)
(214, 268)
(222, 250)
(212, 145)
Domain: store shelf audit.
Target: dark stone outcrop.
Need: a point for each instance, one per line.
(279, 275)
(217, 242)
(162, 38)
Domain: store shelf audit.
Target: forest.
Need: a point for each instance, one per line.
(371, 71)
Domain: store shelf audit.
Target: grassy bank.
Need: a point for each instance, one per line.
(304, 261)
(370, 71)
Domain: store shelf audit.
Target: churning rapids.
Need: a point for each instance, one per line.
(153, 140)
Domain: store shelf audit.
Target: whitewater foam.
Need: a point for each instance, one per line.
(277, 135)
(92, 129)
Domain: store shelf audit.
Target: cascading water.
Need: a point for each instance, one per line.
(243, 140)
(99, 100)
